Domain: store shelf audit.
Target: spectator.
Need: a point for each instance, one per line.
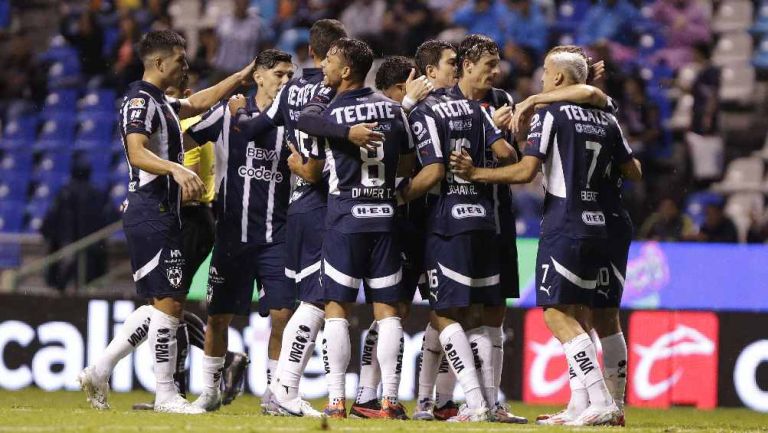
(640, 118)
(608, 20)
(484, 17)
(685, 24)
(758, 229)
(705, 90)
(78, 210)
(526, 26)
(667, 223)
(127, 67)
(20, 77)
(409, 22)
(239, 36)
(717, 227)
(87, 37)
(364, 19)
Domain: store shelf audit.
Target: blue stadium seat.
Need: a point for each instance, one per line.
(760, 58)
(99, 100)
(528, 205)
(11, 216)
(53, 161)
(16, 159)
(528, 227)
(120, 171)
(696, 204)
(95, 126)
(48, 187)
(35, 213)
(761, 21)
(14, 186)
(58, 125)
(569, 14)
(21, 128)
(63, 100)
(99, 159)
(118, 192)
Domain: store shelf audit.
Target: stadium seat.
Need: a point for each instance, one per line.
(742, 174)
(21, 128)
(99, 100)
(14, 186)
(682, 115)
(737, 84)
(64, 74)
(740, 207)
(53, 161)
(16, 160)
(528, 227)
(528, 204)
(120, 171)
(760, 60)
(11, 215)
(696, 204)
(58, 125)
(706, 152)
(35, 213)
(733, 15)
(569, 14)
(732, 48)
(761, 22)
(63, 100)
(95, 126)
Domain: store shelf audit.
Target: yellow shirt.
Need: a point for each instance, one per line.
(203, 156)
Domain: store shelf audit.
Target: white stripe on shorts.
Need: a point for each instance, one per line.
(467, 281)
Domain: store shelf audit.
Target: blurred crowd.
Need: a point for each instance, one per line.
(658, 55)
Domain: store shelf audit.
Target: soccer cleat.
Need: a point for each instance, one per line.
(500, 413)
(597, 416)
(447, 411)
(178, 404)
(620, 420)
(470, 415)
(337, 410)
(296, 407)
(392, 410)
(233, 380)
(558, 418)
(369, 409)
(424, 410)
(208, 402)
(96, 390)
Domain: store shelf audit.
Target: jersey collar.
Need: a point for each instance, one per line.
(365, 91)
(310, 73)
(150, 88)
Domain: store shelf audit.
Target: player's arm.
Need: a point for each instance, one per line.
(427, 142)
(310, 170)
(199, 102)
(521, 172)
(629, 165)
(424, 181)
(577, 94)
(416, 89)
(313, 122)
(495, 139)
(632, 170)
(208, 128)
(144, 159)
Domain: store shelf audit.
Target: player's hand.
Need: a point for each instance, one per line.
(192, 188)
(363, 135)
(246, 74)
(295, 161)
(417, 88)
(523, 112)
(462, 165)
(502, 117)
(236, 102)
(596, 72)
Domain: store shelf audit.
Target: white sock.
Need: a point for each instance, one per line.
(297, 348)
(497, 346)
(579, 397)
(582, 358)
(133, 332)
(461, 360)
(483, 351)
(213, 366)
(337, 348)
(390, 354)
(615, 363)
(370, 375)
(162, 338)
(431, 355)
(271, 370)
(445, 383)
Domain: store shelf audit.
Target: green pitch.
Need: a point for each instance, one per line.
(38, 411)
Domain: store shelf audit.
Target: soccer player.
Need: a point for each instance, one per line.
(395, 80)
(359, 245)
(158, 184)
(250, 236)
(576, 144)
(461, 266)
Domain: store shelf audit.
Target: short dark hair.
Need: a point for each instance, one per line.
(429, 53)
(472, 48)
(267, 59)
(160, 40)
(324, 33)
(393, 70)
(357, 55)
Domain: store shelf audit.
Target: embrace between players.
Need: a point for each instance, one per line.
(394, 191)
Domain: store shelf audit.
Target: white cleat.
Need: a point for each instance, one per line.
(425, 410)
(597, 416)
(96, 390)
(178, 404)
(295, 407)
(208, 402)
(470, 415)
(559, 418)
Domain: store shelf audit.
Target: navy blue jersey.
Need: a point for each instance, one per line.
(146, 110)
(361, 184)
(610, 198)
(576, 144)
(253, 178)
(444, 122)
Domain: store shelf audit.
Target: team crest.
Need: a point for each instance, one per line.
(137, 103)
(174, 277)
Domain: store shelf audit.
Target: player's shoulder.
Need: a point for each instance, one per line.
(425, 105)
(500, 97)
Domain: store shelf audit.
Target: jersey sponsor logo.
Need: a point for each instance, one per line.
(175, 254)
(590, 115)
(585, 364)
(370, 342)
(137, 103)
(261, 154)
(259, 173)
(364, 112)
(373, 211)
(583, 128)
(535, 121)
(419, 130)
(161, 345)
(462, 211)
(139, 334)
(457, 108)
(453, 358)
(673, 359)
(593, 218)
(460, 125)
(589, 196)
(299, 344)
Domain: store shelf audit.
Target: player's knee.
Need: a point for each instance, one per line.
(494, 315)
(218, 323)
(383, 311)
(606, 321)
(403, 309)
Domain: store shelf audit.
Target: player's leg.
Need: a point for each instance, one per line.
(450, 280)
(367, 399)
(303, 261)
(342, 274)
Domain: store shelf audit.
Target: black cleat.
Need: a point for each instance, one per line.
(233, 381)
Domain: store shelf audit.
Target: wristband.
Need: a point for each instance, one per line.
(408, 103)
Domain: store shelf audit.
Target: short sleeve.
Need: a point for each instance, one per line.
(210, 125)
(174, 103)
(540, 135)
(275, 110)
(426, 136)
(492, 133)
(324, 95)
(612, 106)
(139, 115)
(406, 144)
(622, 151)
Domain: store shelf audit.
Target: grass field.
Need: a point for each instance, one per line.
(33, 410)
